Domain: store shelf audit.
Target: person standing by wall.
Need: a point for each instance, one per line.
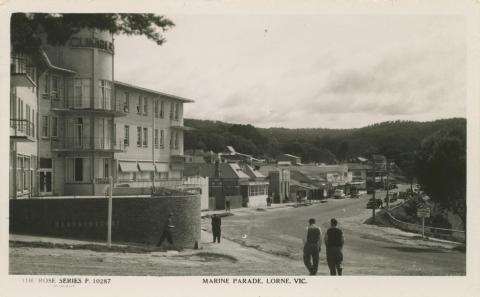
(167, 231)
(216, 228)
(227, 204)
(334, 241)
(312, 247)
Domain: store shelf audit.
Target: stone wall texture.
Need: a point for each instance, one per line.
(139, 220)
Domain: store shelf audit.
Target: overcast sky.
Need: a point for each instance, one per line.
(323, 71)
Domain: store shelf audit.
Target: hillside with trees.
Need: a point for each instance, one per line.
(398, 141)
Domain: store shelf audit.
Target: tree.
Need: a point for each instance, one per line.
(406, 162)
(59, 27)
(441, 169)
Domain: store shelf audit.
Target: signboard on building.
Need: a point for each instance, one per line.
(423, 212)
(92, 43)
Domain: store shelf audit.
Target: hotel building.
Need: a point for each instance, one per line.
(72, 125)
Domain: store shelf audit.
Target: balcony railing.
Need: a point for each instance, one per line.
(22, 128)
(99, 104)
(85, 143)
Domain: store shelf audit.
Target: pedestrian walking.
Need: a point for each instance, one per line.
(216, 228)
(227, 205)
(312, 247)
(334, 241)
(167, 231)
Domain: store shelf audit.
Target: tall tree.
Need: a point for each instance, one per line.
(59, 27)
(406, 162)
(442, 169)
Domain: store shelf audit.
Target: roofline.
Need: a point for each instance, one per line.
(50, 65)
(185, 100)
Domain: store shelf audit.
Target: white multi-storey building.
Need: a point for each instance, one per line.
(73, 125)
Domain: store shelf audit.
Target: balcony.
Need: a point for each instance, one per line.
(85, 144)
(82, 105)
(22, 130)
(22, 71)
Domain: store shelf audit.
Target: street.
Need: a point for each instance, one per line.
(254, 242)
(369, 249)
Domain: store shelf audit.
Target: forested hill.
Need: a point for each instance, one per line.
(392, 139)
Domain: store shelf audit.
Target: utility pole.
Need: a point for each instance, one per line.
(109, 220)
(155, 110)
(373, 194)
(388, 185)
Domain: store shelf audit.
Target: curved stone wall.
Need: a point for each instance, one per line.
(134, 219)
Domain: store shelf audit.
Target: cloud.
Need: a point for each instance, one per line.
(306, 71)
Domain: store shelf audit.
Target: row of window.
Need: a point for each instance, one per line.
(24, 116)
(158, 138)
(159, 107)
(255, 190)
(25, 169)
(79, 96)
(125, 177)
(49, 126)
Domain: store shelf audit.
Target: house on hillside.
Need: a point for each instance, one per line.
(294, 160)
(359, 175)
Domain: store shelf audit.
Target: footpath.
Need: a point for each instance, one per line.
(30, 254)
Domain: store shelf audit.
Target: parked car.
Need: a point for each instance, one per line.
(338, 194)
(374, 203)
(354, 195)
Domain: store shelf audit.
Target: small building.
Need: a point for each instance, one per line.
(359, 175)
(303, 187)
(279, 183)
(294, 160)
(255, 190)
(225, 181)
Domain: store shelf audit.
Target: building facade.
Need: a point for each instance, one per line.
(90, 126)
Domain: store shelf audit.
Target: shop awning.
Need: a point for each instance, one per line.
(162, 167)
(128, 166)
(146, 166)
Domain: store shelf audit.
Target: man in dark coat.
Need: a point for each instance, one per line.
(312, 246)
(167, 231)
(216, 228)
(334, 242)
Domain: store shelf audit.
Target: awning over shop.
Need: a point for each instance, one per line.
(128, 166)
(162, 167)
(146, 166)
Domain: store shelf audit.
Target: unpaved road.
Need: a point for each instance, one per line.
(263, 243)
(369, 249)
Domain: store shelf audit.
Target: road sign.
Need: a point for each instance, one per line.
(423, 212)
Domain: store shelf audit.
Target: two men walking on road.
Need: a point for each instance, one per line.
(334, 241)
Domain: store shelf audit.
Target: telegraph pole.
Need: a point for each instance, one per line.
(388, 185)
(109, 216)
(373, 194)
(155, 103)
